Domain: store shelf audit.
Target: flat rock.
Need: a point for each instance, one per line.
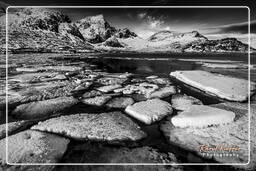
(161, 81)
(97, 100)
(152, 77)
(163, 92)
(42, 109)
(139, 88)
(61, 68)
(109, 88)
(111, 80)
(91, 93)
(33, 147)
(183, 102)
(32, 77)
(202, 116)
(225, 66)
(149, 111)
(234, 134)
(39, 92)
(23, 69)
(225, 87)
(113, 126)
(82, 87)
(13, 127)
(120, 102)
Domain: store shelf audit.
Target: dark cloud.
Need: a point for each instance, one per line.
(3, 7)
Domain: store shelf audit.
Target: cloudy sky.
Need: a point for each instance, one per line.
(214, 23)
(146, 21)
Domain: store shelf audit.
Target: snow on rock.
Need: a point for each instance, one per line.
(95, 29)
(202, 116)
(125, 33)
(225, 87)
(149, 111)
(225, 66)
(183, 102)
(233, 135)
(70, 29)
(222, 45)
(112, 42)
(175, 36)
(109, 88)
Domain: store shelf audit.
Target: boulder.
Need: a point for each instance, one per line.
(33, 147)
(225, 87)
(163, 92)
(39, 92)
(233, 135)
(23, 69)
(111, 80)
(120, 102)
(43, 109)
(109, 88)
(61, 68)
(225, 66)
(183, 102)
(202, 116)
(32, 77)
(97, 100)
(14, 126)
(113, 126)
(156, 80)
(92, 93)
(139, 88)
(149, 111)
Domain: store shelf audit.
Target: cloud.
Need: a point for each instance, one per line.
(241, 28)
(151, 24)
(155, 23)
(167, 28)
(141, 15)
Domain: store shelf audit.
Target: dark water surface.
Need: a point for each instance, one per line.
(163, 64)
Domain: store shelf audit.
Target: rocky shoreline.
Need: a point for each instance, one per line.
(69, 111)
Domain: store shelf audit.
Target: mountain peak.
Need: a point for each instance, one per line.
(172, 35)
(38, 18)
(93, 20)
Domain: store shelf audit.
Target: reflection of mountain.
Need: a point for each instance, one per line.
(46, 30)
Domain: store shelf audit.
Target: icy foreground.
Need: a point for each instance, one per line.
(229, 88)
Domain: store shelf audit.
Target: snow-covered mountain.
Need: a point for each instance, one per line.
(38, 30)
(47, 30)
(175, 36)
(223, 45)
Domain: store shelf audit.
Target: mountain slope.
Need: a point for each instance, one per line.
(95, 29)
(175, 36)
(37, 30)
(223, 45)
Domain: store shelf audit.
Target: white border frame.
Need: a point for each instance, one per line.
(131, 164)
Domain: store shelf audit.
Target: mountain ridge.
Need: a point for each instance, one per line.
(53, 31)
